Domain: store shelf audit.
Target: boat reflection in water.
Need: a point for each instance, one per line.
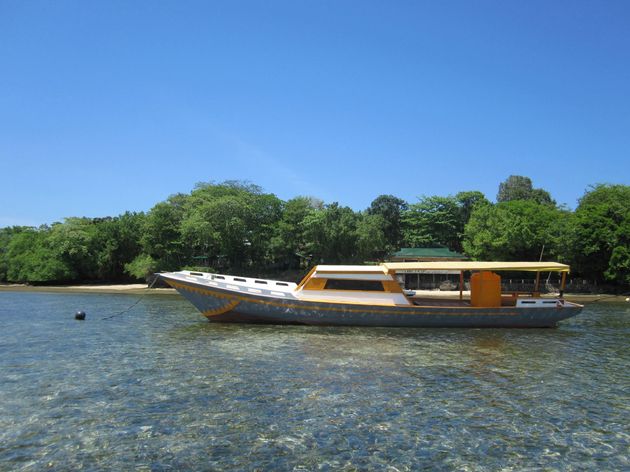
(354, 295)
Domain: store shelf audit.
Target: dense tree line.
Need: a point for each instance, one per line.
(237, 227)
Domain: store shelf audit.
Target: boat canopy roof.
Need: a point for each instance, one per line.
(350, 269)
(472, 265)
(388, 267)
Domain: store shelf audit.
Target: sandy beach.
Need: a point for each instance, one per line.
(88, 288)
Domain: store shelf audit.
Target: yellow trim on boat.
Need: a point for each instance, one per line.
(224, 309)
(306, 277)
(410, 308)
(315, 284)
(391, 286)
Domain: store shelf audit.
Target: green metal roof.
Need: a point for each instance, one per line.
(428, 252)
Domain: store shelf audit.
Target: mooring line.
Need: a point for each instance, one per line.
(134, 303)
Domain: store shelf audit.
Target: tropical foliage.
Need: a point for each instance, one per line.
(600, 233)
(238, 227)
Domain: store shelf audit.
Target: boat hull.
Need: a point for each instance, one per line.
(222, 305)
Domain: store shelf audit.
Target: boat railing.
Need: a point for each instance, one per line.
(252, 282)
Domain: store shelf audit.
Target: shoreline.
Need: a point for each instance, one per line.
(88, 288)
(143, 288)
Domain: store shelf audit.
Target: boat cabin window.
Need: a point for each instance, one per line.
(365, 285)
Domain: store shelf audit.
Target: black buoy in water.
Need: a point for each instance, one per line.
(79, 315)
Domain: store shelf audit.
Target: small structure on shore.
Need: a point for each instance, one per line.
(422, 279)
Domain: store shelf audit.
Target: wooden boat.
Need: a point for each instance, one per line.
(352, 295)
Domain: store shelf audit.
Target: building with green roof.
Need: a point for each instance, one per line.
(426, 254)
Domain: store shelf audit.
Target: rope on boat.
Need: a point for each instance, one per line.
(134, 303)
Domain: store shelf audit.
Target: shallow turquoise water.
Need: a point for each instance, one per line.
(159, 388)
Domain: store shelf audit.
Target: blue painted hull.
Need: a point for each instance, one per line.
(223, 305)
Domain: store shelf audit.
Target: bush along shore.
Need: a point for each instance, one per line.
(236, 227)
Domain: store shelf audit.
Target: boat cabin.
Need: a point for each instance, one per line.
(369, 285)
(378, 284)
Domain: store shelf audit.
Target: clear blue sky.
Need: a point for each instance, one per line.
(113, 105)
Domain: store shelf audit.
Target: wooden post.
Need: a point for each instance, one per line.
(461, 284)
(537, 286)
(563, 283)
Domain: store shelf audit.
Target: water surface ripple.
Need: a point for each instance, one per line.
(159, 388)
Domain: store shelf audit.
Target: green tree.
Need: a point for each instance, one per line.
(619, 265)
(77, 249)
(141, 267)
(161, 234)
(467, 201)
(234, 220)
(266, 212)
(117, 242)
(331, 234)
(288, 244)
(433, 221)
(516, 230)
(440, 221)
(518, 187)
(390, 209)
(601, 233)
(75, 242)
(371, 241)
(6, 234)
(33, 257)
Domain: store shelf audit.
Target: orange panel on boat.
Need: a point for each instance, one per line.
(485, 289)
